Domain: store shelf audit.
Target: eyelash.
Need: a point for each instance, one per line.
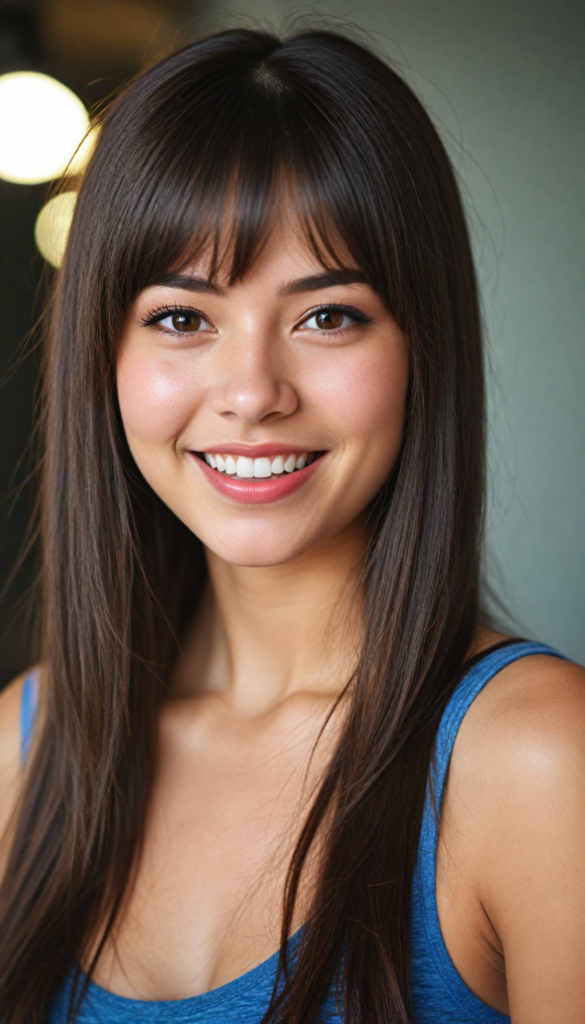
(151, 319)
(163, 311)
(336, 307)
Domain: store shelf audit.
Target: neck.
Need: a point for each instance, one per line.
(269, 632)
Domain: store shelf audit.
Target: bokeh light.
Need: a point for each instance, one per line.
(83, 155)
(52, 227)
(41, 125)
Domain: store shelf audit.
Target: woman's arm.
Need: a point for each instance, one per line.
(515, 822)
(10, 774)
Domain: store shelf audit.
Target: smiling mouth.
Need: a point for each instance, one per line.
(262, 469)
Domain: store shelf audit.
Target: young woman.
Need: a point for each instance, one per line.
(271, 767)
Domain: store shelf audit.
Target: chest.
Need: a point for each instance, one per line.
(223, 821)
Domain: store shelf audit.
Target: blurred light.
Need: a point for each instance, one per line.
(83, 155)
(41, 125)
(52, 226)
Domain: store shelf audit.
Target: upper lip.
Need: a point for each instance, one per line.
(257, 451)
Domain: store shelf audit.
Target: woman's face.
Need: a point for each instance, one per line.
(288, 368)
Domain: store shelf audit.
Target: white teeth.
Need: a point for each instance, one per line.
(262, 467)
(245, 467)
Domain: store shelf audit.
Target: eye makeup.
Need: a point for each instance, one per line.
(162, 312)
(189, 313)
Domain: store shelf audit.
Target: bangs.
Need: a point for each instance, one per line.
(229, 236)
(236, 148)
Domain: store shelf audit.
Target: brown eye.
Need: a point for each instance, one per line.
(329, 319)
(185, 321)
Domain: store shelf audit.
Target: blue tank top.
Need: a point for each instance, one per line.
(440, 996)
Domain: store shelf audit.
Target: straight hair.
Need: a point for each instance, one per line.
(197, 156)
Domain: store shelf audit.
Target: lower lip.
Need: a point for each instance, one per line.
(256, 491)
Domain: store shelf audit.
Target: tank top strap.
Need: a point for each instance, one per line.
(28, 711)
(438, 990)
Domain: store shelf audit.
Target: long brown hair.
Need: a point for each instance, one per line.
(195, 154)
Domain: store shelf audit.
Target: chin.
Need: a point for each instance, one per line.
(258, 548)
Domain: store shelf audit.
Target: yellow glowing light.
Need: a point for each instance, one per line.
(52, 226)
(41, 125)
(84, 153)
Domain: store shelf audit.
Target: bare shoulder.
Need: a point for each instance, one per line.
(532, 711)
(524, 734)
(513, 832)
(516, 785)
(10, 699)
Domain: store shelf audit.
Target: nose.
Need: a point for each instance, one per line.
(252, 384)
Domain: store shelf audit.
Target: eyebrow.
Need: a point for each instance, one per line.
(190, 283)
(311, 283)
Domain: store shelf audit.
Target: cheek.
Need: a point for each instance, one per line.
(365, 394)
(156, 397)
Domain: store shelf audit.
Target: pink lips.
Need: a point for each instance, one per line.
(257, 491)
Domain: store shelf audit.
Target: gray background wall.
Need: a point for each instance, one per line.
(504, 80)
